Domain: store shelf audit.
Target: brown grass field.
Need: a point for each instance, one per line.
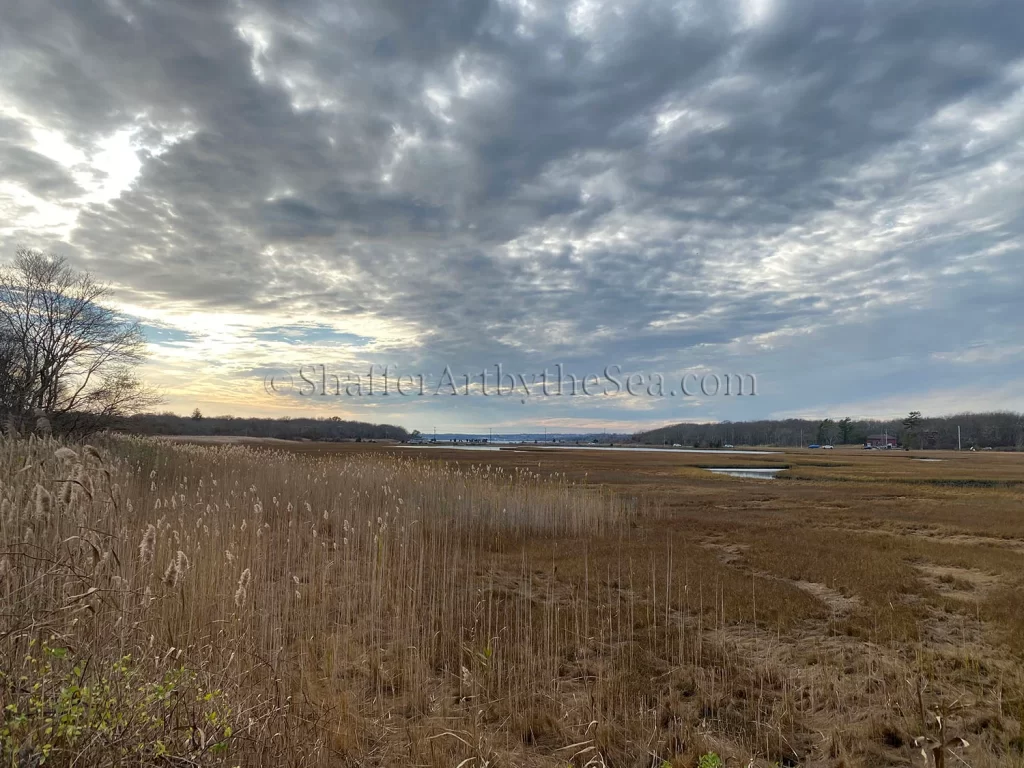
(346, 604)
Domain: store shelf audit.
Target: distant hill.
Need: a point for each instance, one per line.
(329, 429)
(999, 430)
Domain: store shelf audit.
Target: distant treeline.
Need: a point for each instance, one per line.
(1003, 430)
(330, 429)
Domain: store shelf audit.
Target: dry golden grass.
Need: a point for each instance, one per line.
(174, 604)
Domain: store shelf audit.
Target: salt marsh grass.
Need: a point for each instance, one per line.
(291, 610)
(170, 604)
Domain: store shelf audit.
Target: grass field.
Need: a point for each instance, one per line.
(365, 604)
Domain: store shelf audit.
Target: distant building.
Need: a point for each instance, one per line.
(881, 441)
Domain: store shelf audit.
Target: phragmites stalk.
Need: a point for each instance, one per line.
(100, 560)
(65, 454)
(11, 429)
(7, 512)
(67, 490)
(5, 568)
(81, 480)
(88, 484)
(171, 574)
(92, 453)
(44, 502)
(176, 570)
(243, 585)
(148, 545)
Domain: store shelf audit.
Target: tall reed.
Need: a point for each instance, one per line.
(290, 605)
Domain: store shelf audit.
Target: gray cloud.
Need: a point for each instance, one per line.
(35, 172)
(645, 181)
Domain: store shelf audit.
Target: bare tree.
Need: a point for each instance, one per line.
(12, 381)
(63, 351)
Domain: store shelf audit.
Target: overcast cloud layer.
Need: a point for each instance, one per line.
(826, 194)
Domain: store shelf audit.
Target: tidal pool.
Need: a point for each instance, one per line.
(759, 473)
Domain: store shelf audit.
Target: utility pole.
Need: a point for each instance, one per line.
(959, 444)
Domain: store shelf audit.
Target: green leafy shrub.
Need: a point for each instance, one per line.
(62, 710)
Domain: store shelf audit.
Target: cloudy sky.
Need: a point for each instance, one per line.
(829, 195)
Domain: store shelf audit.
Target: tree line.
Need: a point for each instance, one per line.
(327, 429)
(998, 430)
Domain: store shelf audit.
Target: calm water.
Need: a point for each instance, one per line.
(596, 448)
(457, 447)
(749, 472)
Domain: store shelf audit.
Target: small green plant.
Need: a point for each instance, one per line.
(710, 760)
(61, 709)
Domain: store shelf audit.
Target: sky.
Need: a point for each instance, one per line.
(826, 195)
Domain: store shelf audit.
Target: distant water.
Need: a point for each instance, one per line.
(749, 472)
(456, 447)
(595, 448)
(656, 450)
